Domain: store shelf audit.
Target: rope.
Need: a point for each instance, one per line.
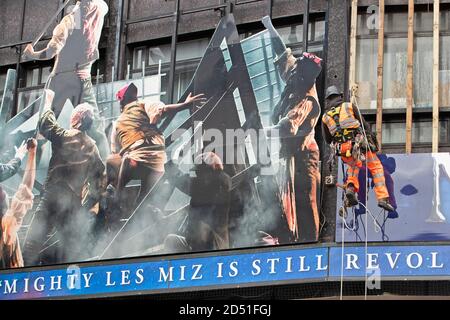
(367, 198)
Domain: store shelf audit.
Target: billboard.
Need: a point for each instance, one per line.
(234, 163)
(417, 185)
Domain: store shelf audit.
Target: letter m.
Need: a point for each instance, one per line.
(163, 276)
(10, 288)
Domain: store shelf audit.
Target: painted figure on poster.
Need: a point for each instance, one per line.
(295, 116)
(346, 130)
(74, 45)
(75, 180)
(12, 214)
(141, 145)
(207, 222)
(9, 169)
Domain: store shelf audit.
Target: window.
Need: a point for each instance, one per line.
(444, 72)
(394, 73)
(152, 56)
(2, 84)
(189, 54)
(367, 76)
(37, 76)
(423, 72)
(138, 55)
(395, 60)
(394, 132)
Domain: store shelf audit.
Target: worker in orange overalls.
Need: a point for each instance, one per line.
(342, 126)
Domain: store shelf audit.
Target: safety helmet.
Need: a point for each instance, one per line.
(331, 91)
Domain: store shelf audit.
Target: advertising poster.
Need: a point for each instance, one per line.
(92, 172)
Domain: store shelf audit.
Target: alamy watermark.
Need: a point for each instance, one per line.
(232, 146)
(373, 21)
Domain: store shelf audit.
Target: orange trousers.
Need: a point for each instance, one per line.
(376, 169)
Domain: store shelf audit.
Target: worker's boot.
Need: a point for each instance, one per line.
(350, 195)
(384, 203)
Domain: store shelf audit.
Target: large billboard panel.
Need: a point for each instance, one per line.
(109, 171)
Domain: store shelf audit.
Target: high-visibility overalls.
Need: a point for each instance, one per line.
(344, 128)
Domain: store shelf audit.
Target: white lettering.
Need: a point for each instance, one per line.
(182, 273)
(165, 277)
(125, 277)
(87, 279)
(27, 280)
(351, 261)
(434, 261)
(140, 276)
(38, 287)
(392, 263)
(197, 268)
(409, 260)
(233, 267)
(288, 264)
(220, 270)
(57, 282)
(272, 264)
(319, 263)
(10, 288)
(108, 279)
(302, 265)
(256, 267)
(372, 261)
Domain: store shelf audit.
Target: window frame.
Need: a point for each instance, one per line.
(394, 115)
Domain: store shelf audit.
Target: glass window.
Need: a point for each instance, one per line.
(445, 20)
(396, 22)
(33, 77)
(318, 32)
(137, 58)
(423, 72)
(423, 21)
(395, 132)
(182, 81)
(393, 23)
(394, 73)
(366, 72)
(186, 50)
(189, 50)
(156, 54)
(37, 76)
(2, 81)
(45, 73)
(291, 34)
(444, 72)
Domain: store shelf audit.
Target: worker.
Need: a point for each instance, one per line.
(346, 130)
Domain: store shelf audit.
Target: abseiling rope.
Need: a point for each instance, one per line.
(367, 198)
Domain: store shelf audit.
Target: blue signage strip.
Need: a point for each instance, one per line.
(260, 267)
(390, 261)
(257, 267)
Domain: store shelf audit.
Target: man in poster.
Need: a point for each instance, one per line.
(74, 45)
(295, 116)
(75, 166)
